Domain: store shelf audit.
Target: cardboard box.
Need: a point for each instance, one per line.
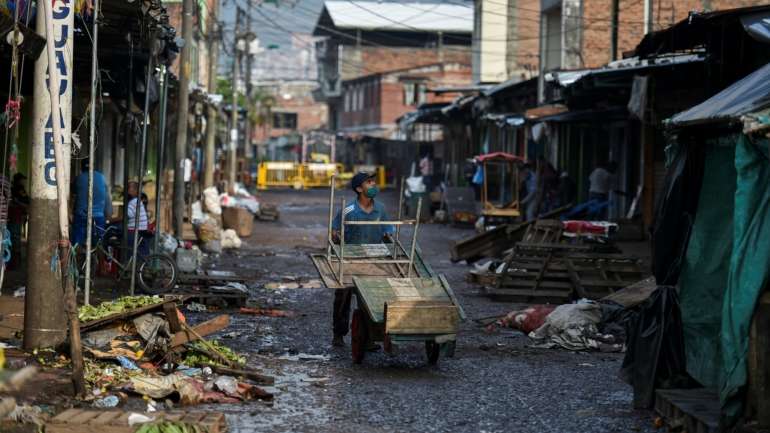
(238, 219)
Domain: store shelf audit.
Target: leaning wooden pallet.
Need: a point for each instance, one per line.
(560, 276)
(117, 421)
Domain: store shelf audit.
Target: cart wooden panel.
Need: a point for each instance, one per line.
(374, 292)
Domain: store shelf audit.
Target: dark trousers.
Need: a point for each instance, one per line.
(341, 315)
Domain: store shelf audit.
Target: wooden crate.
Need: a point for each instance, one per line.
(692, 410)
(238, 219)
(116, 421)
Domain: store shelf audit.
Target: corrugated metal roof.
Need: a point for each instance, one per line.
(748, 95)
(428, 17)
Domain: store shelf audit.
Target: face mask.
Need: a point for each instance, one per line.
(372, 191)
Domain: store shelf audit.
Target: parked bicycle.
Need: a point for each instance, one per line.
(155, 273)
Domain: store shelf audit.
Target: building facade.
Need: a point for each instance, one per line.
(372, 103)
(363, 38)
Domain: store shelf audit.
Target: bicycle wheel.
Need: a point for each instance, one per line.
(156, 274)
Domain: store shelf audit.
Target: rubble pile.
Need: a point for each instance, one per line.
(143, 346)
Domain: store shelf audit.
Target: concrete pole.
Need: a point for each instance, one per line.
(211, 114)
(231, 152)
(44, 319)
(182, 113)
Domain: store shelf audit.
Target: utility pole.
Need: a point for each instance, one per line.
(182, 111)
(249, 40)
(211, 112)
(231, 160)
(44, 319)
(647, 16)
(614, 35)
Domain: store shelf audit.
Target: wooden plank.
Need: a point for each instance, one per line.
(172, 317)
(85, 326)
(83, 417)
(11, 316)
(527, 295)
(421, 318)
(512, 282)
(375, 292)
(66, 415)
(451, 293)
(633, 294)
(576, 283)
(105, 418)
(247, 373)
(206, 328)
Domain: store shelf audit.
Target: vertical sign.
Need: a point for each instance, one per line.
(43, 179)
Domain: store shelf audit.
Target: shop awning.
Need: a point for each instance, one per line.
(748, 95)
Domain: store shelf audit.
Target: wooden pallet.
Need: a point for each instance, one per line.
(558, 277)
(695, 410)
(116, 421)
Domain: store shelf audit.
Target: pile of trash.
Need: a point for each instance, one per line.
(584, 325)
(143, 346)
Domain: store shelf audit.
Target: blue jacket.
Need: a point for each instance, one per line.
(368, 234)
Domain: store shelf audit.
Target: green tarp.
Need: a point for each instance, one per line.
(703, 280)
(726, 266)
(749, 266)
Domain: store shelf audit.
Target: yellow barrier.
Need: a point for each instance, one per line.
(316, 175)
(277, 174)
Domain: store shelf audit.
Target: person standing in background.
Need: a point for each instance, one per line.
(102, 204)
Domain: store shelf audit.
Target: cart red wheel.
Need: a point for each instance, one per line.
(387, 345)
(432, 349)
(358, 338)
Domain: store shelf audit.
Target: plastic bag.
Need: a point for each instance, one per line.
(211, 200)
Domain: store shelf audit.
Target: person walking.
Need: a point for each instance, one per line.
(364, 208)
(601, 181)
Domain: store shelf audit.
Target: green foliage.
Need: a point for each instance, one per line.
(120, 305)
(260, 104)
(198, 354)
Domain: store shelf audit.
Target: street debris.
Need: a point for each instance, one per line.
(526, 320)
(575, 327)
(194, 306)
(270, 312)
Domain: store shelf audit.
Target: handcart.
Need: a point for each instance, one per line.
(399, 298)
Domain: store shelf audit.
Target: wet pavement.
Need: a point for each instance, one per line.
(495, 382)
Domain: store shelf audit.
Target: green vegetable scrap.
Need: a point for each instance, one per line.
(171, 427)
(198, 354)
(127, 303)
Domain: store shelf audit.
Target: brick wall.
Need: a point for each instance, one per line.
(387, 103)
(596, 28)
(523, 37)
(310, 115)
(368, 60)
